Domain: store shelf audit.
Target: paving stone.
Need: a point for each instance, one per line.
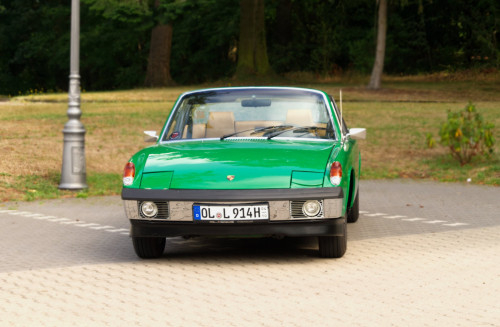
(397, 271)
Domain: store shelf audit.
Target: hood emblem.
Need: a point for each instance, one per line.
(230, 177)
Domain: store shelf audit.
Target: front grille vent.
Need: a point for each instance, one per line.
(163, 210)
(239, 139)
(296, 210)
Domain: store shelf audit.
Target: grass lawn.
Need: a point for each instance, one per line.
(397, 119)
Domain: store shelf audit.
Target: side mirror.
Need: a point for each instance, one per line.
(357, 133)
(150, 136)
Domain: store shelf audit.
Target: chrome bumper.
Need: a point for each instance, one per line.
(282, 202)
(278, 210)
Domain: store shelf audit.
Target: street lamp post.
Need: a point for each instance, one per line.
(73, 172)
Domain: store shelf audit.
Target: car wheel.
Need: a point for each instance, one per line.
(149, 247)
(333, 246)
(353, 214)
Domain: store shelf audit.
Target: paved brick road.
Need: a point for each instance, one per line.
(422, 254)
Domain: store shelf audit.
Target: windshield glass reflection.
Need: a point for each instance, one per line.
(251, 113)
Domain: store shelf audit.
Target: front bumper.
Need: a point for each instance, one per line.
(282, 221)
(233, 195)
(331, 227)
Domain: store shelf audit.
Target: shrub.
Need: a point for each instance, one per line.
(466, 135)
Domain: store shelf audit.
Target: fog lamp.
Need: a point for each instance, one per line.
(149, 209)
(311, 208)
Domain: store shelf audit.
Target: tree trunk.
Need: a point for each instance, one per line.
(158, 73)
(378, 66)
(252, 49)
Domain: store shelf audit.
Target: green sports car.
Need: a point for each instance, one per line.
(240, 161)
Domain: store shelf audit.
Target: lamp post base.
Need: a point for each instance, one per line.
(73, 174)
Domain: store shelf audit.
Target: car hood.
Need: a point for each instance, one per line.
(233, 164)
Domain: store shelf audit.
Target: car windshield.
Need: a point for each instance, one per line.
(251, 113)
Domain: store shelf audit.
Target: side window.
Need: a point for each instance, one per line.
(177, 122)
(170, 132)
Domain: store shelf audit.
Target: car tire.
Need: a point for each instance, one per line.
(333, 246)
(353, 213)
(149, 247)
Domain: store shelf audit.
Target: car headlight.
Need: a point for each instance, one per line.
(149, 209)
(311, 208)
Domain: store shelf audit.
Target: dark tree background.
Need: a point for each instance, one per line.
(203, 40)
(252, 45)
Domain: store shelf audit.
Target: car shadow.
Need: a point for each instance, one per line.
(242, 249)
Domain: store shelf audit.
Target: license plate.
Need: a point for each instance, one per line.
(237, 212)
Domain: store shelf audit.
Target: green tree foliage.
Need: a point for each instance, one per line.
(205, 42)
(324, 37)
(128, 11)
(115, 36)
(320, 36)
(34, 50)
(443, 35)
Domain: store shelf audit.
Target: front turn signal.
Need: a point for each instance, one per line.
(336, 173)
(128, 174)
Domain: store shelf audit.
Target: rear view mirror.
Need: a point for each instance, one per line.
(357, 133)
(256, 103)
(150, 136)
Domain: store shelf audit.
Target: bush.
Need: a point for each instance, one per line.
(466, 135)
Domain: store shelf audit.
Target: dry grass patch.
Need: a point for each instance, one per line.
(396, 143)
(397, 120)
(31, 139)
(136, 95)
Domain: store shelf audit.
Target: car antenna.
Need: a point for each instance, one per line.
(341, 120)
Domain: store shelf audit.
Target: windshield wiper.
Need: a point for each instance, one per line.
(261, 129)
(295, 129)
(255, 130)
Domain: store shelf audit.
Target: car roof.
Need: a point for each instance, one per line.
(250, 88)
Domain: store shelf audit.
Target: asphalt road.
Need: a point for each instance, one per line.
(422, 253)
